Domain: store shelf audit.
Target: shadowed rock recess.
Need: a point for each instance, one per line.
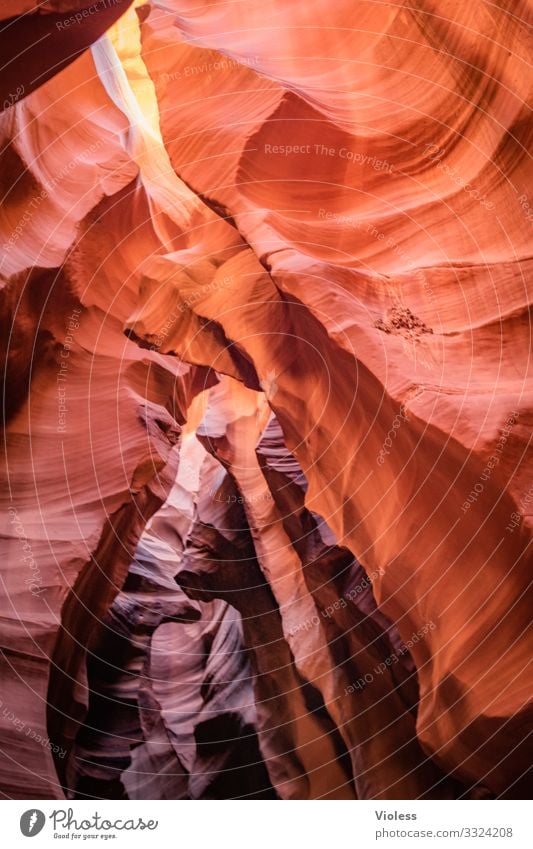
(267, 500)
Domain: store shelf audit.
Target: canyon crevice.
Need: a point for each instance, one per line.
(267, 408)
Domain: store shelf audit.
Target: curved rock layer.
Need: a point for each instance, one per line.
(267, 408)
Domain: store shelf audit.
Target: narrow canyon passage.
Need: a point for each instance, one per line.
(265, 300)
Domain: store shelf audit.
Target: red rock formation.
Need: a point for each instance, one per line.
(38, 39)
(281, 259)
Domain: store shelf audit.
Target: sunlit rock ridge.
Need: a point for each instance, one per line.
(267, 408)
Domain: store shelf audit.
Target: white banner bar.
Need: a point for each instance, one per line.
(268, 824)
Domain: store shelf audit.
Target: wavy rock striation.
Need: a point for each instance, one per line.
(266, 522)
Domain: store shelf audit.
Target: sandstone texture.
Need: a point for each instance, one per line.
(265, 296)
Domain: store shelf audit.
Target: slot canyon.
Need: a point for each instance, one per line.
(267, 492)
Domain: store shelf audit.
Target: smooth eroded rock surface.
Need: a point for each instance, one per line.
(265, 301)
